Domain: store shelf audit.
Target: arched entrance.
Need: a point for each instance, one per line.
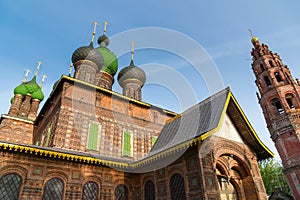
(231, 175)
(177, 187)
(227, 189)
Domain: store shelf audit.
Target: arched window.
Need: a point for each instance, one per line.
(290, 100)
(259, 54)
(268, 83)
(90, 191)
(88, 77)
(277, 76)
(261, 67)
(121, 192)
(177, 187)
(149, 191)
(271, 63)
(10, 185)
(131, 92)
(53, 189)
(278, 105)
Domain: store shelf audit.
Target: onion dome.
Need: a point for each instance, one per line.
(131, 72)
(110, 64)
(88, 53)
(30, 87)
(21, 89)
(38, 94)
(103, 41)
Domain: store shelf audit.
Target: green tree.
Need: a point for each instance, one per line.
(271, 171)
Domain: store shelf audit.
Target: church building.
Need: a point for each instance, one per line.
(89, 142)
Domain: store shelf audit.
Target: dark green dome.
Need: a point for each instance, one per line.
(131, 72)
(110, 64)
(88, 53)
(30, 87)
(103, 38)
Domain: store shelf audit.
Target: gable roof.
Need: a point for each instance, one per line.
(204, 119)
(194, 122)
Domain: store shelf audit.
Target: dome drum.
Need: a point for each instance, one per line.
(85, 70)
(105, 80)
(132, 82)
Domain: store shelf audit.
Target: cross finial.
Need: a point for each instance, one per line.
(254, 39)
(132, 50)
(94, 32)
(71, 68)
(27, 71)
(251, 32)
(43, 80)
(38, 67)
(104, 30)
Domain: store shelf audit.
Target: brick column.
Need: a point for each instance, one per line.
(16, 104)
(33, 109)
(25, 107)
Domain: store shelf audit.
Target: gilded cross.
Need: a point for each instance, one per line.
(43, 80)
(104, 30)
(38, 67)
(94, 32)
(27, 71)
(251, 33)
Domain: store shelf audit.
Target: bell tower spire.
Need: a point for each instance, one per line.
(279, 98)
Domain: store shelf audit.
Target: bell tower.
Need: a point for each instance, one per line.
(279, 98)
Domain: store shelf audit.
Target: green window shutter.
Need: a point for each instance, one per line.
(154, 140)
(93, 136)
(127, 144)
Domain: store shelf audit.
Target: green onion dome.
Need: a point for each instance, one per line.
(21, 89)
(30, 87)
(110, 64)
(88, 53)
(38, 95)
(131, 72)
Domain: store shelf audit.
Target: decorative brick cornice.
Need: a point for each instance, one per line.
(54, 154)
(26, 120)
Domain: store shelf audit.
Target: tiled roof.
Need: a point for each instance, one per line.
(194, 122)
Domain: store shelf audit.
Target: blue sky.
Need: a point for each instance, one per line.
(50, 31)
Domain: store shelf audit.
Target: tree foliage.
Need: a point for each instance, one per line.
(271, 171)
